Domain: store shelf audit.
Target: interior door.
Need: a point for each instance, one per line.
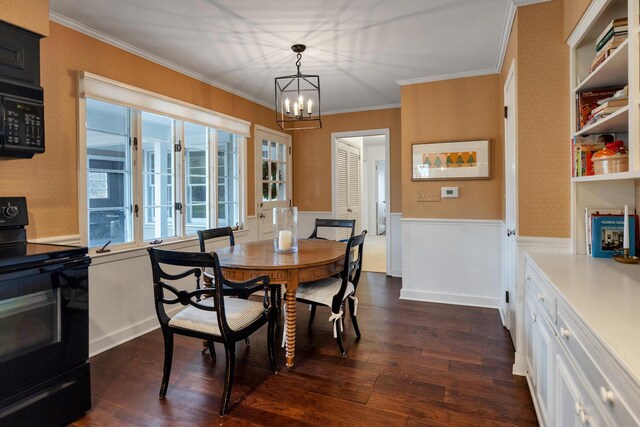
(349, 183)
(510, 208)
(273, 177)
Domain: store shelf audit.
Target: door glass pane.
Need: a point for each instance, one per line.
(196, 146)
(282, 149)
(265, 149)
(274, 171)
(273, 153)
(265, 170)
(265, 191)
(108, 174)
(282, 194)
(158, 181)
(228, 182)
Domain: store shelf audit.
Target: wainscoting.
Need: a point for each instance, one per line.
(452, 261)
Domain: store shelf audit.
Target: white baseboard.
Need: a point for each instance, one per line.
(445, 298)
(519, 365)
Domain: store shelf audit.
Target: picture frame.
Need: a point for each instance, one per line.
(450, 160)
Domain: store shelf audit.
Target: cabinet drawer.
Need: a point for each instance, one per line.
(575, 341)
(541, 291)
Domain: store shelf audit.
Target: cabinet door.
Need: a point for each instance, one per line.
(543, 353)
(529, 320)
(572, 405)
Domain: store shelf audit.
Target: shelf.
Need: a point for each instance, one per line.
(612, 72)
(617, 122)
(608, 177)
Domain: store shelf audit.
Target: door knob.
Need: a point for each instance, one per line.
(511, 232)
(261, 215)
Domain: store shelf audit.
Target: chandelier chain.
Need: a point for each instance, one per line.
(299, 56)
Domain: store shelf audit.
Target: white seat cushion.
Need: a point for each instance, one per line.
(239, 312)
(322, 291)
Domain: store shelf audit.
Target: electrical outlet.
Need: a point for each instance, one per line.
(427, 197)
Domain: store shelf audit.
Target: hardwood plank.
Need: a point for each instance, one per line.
(417, 364)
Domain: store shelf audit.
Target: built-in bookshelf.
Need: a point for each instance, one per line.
(620, 68)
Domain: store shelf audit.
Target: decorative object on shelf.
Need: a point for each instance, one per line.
(608, 233)
(285, 229)
(611, 159)
(625, 258)
(298, 98)
(451, 160)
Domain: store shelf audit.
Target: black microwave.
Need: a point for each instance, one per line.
(21, 120)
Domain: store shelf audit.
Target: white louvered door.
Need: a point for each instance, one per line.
(348, 185)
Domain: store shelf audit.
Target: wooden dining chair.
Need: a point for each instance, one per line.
(333, 224)
(216, 233)
(209, 314)
(240, 292)
(336, 292)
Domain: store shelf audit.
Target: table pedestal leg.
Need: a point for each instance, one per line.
(290, 300)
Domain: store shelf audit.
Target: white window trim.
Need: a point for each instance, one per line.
(103, 89)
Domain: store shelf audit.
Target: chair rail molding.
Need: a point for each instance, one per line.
(454, 261)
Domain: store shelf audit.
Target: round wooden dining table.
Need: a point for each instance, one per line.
(315, 259)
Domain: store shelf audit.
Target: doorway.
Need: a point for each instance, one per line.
(365, 194)
(509, 305)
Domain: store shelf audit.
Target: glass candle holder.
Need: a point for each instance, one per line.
(285, 229)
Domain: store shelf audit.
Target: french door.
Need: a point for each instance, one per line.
(273, 177)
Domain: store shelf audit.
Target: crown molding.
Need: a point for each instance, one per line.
(519, 3)
(358, 110)
(75, 25)
(506, 32)
(447, 77)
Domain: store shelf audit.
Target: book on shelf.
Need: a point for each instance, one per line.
(607, 234)
(621, 23)
(588, 214)
(612, 37)
(583, 158)
(620, 102)
(588, 100)
(605, 53)
(604, 110)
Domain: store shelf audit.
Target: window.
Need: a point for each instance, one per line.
(228, 180)
(196, 145)
(108, 174)
(152, 177)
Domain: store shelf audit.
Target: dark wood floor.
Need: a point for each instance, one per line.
(418, 364)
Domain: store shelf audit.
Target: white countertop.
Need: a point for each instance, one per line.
(606, 294)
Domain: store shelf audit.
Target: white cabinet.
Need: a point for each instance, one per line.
(574, 377)
(539, 347)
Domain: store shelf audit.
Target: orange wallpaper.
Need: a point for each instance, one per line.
(49, 180)
(32, 15)
(454, 110)
(573, 11)
(312, 156)
(543, 122)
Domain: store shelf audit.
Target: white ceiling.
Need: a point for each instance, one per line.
(361, 49)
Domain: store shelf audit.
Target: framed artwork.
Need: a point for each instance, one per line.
(450, 160)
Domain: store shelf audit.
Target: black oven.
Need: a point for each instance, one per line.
(44, 326)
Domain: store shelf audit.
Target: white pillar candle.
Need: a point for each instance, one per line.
(625, 244)
(284, 240)
(287, 109)
(309, 104)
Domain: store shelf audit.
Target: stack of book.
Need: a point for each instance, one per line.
(604, 232)
(613, 36)
(590, 100)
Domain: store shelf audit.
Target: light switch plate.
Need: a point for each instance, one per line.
(449, 192)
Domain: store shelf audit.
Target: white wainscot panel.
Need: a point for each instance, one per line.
(452, 261)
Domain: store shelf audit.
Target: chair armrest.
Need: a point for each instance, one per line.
(244, 289)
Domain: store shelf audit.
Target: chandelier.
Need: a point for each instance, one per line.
(298, 98)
